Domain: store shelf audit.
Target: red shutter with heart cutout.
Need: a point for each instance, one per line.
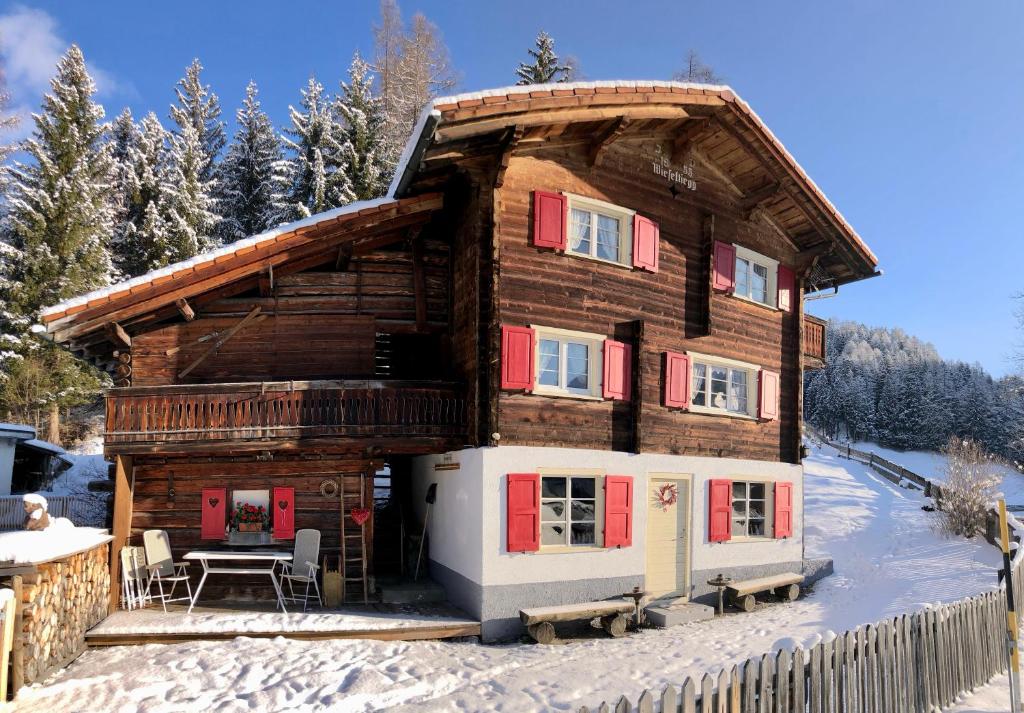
(724, 268)
(787, 288)
(783, 509)
(618, 510)
(719, 510)
(283, 505)
(618, 373)
(549, 220)
(646, 239)
(523, 512)
(213, 514)
(677, 380)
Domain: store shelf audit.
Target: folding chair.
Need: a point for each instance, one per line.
(163, 569)
(303, 567)
(134, 578)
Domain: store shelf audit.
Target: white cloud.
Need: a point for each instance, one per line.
(31, 46)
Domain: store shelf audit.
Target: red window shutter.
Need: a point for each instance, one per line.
(549, 220)
(283, 506)
(645, 243)
(787, 288)
(618, 361)
(517, 358)
(677, 380)
(523, 512)
(768, 395)
(783, 509)
(719, 510)
(724, 268)
(213, 511)
(618, 510)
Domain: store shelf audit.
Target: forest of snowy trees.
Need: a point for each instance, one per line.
(886, 386)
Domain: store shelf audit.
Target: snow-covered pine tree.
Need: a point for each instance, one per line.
(253, 175)
(195, 147)
(315, 182)
(141, 240)
(365, 153)
(544, 66)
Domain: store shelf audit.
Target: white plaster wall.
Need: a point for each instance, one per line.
(468, 523)
(6, 464)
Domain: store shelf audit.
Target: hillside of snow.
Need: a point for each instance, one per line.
(889, 558)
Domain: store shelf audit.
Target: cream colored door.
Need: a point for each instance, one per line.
(668, 561)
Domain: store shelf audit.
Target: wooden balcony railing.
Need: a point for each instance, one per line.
(283, 410)
(814, 338)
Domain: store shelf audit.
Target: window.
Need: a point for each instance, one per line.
(756, 277)
(600, 230)
(722, 386)
(749, 509)
(568, 363)
(568, 511)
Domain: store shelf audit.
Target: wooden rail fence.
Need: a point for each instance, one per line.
(917, 663)
(12, 512)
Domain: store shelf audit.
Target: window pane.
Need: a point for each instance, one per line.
(583, 487)
(608, 237)
(583, 510)
(757, 491)
(699, 384)
(718, 387)
(757, 508)
(579, 231)
(756, 527)
(552, 510)
(547, 370)
(576, 367)
(742, 277)
(552, 487)
(739, 490)
(738, 391)
(759, 283)
(739, 507)
(552, 534)
(582, 534)
(739, 527)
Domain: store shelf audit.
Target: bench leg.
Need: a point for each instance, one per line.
(745, 602)
(790, 592)
(614, 624)
(542, 633)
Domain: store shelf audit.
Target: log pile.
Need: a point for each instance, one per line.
(61, 601)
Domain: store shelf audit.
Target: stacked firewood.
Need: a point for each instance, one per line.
(61, 601)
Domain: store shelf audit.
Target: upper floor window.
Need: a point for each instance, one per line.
(568, 363)
(723, 385)
(600, 230)
(756, 277)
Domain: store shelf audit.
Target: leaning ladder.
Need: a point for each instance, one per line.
(352, 558)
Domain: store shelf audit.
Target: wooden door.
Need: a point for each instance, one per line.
(668, 537)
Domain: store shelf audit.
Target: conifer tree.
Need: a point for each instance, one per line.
(141, 237)
(253, 175)
(544, 67)
(199, 108)
(365, 152)
(315, 182)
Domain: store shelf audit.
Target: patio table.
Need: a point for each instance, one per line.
(252, 562)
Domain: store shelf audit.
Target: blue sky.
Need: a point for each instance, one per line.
(908, 114)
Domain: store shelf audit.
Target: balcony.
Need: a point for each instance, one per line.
(814, 342)
(396, 416)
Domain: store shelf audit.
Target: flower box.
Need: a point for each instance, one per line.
(250, 527)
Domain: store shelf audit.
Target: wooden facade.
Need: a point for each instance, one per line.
(347, 342)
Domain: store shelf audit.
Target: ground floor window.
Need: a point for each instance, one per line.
(569, 511)
(749, 509)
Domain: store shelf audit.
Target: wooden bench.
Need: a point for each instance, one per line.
(614, 615)
(786, 586)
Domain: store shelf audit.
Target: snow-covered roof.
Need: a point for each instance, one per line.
(18, 431)
(44, 446)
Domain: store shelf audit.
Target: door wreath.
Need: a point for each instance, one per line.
(667, 495)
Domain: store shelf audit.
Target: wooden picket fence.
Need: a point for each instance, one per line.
(12, 512)
(894, 472)
(918, 663)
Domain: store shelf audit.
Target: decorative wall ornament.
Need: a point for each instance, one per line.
(329, 488)
(667, 495)
(360, 515)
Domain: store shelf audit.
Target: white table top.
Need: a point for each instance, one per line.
(236, 555)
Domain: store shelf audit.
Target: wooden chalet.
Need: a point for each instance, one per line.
(579, 313)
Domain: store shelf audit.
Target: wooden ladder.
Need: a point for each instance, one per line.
(353, 544)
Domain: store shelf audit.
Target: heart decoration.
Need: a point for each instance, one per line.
(360, 515)
(283, 504)
(213, 502)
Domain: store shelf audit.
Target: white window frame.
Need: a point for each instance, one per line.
(769, 510)
(772, 283)
(753, 379)
(598, 477)
(596, 207)
(595, 362)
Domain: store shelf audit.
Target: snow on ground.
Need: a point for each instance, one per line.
(993, 698)
(889, 558)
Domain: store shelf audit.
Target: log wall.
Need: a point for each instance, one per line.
(557, 290)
